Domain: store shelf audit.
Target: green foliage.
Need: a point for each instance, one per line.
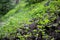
(34, 1)
(26, 18)
(6, 5)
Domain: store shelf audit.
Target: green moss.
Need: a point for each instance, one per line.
(22, 13)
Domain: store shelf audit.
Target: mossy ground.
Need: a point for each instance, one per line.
(36, 21)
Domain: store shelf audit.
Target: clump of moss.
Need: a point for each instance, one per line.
(37, 21)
